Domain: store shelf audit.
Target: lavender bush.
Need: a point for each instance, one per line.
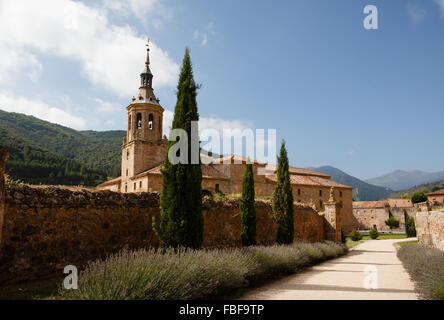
(193, 274)
(426, 268)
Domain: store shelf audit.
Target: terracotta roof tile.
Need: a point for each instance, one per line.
(369, 204)
(300, 171)
(207, 172)
(309, 181)
(437, 193)
(400, 203)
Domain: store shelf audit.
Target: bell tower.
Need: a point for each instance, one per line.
(143, 147)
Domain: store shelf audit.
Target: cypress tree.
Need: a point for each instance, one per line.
(283, 200)
(248, 212)
(181, 197)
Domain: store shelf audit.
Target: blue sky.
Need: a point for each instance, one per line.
(365, 101)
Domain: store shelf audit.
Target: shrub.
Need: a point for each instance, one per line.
(426, 268)
(207, 193)
(392, 223)
(356, 235)
(193, 274)
(410, 227)
(374, 234)
(418, 197)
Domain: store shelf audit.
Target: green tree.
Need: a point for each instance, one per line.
(248, 212)
(373, 233)
(283, 200)
(410, 228)
(181, 198)
(419, 196)
(392, 223)
(405, 196)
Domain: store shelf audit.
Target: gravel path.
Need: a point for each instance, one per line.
(346, 278)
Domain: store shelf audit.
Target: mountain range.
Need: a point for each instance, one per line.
(400, 180)
(45, 153)
(362, 191)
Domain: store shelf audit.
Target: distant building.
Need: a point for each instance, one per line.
(144, 150)
(437, 197)
(369, 214)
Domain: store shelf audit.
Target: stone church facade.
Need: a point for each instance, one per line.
(144, 150)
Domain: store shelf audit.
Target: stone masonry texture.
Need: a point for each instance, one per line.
(46, 229)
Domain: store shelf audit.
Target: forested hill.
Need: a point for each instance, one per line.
(47, 153)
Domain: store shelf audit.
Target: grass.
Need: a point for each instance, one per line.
(349, 243)
(194, 274)
(43, 293)
(403, 243)
(426, 268)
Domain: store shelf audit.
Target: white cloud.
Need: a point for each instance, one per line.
(440, 3)
(416, 13)
(104, 106)
(153, 11)
(111, 56)
(41, 110)
(202, 36)
(13, 62)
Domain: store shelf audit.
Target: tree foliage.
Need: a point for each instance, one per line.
(181, 198)
(410, 228)
(283, 200)
(420, 196)
(392, 223)
(373, 233)
(248, 211)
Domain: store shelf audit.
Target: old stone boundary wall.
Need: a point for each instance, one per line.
(430, 228)
(45, 229)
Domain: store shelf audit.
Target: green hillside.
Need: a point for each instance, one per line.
(32, 164)
(428, 187)
(47, 153)
(362, 191)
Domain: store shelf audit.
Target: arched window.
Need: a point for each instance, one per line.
(150, 121)
(129, 123)
(139, 121)
(159, 125)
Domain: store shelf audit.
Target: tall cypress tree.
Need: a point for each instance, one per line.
(181, 197)
(283, 200)
(248, 212)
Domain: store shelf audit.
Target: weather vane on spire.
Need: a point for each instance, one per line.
(147, 51)
(148, 43)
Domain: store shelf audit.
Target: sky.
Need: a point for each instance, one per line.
(365, 101)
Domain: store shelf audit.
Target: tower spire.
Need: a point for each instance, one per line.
(147, 63)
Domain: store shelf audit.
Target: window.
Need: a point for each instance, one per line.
(299, 192)
(217, 187)
(140, 98)
(140, 184)
(127, 172)
(320, 193)
(340, 194)
(126, 188)
(160, 125)
(139, 121)
(127, 154)
(320, 203)
(150, 121)
(135, 186)
(129, 123)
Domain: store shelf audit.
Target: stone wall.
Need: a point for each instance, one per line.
(430, 228)
(46, 229)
